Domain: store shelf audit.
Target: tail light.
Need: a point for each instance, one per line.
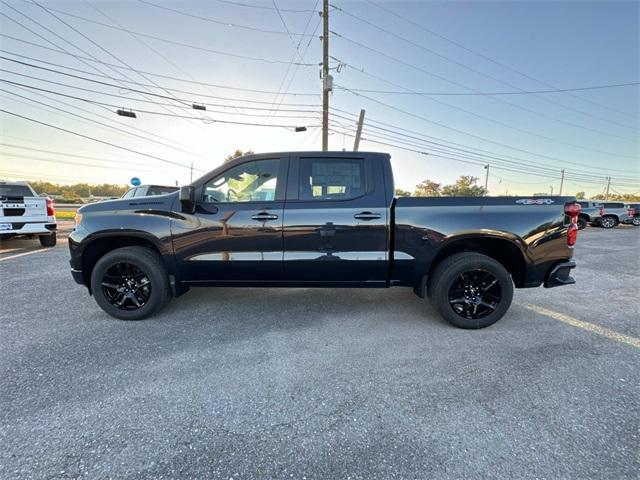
(50, 210)
(572, 210)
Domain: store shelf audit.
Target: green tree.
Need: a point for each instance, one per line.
(580, 195)
(236, 154)
(465, 186)
(428, 188)
(402, 193)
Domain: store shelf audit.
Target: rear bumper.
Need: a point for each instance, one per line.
(559, 274)
(25, 228)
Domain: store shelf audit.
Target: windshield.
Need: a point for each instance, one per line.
(15, 191)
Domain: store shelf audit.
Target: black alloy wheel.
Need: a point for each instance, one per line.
(131, 283)
(470, 290)
(126, 286)
(475, 294)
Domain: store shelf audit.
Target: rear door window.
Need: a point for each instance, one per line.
(331, 179)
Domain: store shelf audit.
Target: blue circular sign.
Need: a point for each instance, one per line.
(135, 181)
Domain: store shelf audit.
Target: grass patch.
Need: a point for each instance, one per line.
(65, 215)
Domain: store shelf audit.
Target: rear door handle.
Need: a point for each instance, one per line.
(367, 216)
(264, 216)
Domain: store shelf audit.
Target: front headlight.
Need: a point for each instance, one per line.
(78, 218)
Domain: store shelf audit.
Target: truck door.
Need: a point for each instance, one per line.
(335, 220)
(235, 233)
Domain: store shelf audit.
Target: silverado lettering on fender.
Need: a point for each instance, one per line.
(321, 219)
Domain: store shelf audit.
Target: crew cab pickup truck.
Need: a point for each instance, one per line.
(23, 212)
(321, 219)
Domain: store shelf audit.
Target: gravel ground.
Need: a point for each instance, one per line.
(319, 383)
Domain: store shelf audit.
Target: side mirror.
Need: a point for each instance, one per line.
(187, 198)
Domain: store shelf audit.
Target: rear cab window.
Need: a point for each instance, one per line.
(12, 191)
(331, 179)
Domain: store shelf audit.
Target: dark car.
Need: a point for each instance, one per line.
(633, 214)
(321, 219)
(148, 191)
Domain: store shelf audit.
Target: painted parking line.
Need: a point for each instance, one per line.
(590, 327)
(23, 254)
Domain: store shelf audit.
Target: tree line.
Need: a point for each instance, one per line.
(73, 193)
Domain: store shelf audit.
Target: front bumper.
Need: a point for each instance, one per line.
(77, 276)
(559, 274)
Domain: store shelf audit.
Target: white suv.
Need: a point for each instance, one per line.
(23, 212)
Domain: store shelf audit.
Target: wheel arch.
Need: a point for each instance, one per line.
(100, 245)
(504, 250)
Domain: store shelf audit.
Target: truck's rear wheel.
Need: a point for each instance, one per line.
(48, 240)
(130, 283)
(471, 290)
(582, 223)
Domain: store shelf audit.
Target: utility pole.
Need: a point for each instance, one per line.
(606, 195)
(561, 181)
(356, 143)
(551, 189)
(486, 178)
(325, 75)
(191, 173)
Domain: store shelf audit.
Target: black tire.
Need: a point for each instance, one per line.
(582, 223)
(144, 281)
(608, 221)
(636, 221)
(460, 271)
(48, 240)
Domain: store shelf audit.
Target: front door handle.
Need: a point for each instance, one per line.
(367, 216)
(264, 216)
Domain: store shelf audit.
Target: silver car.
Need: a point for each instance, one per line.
(611, 214)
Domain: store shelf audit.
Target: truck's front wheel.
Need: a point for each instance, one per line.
(130, 283)
(471, 290)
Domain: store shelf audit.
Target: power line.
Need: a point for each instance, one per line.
(73, 155)
(75, 116)
(180, 44)
(498, 99)
(94, 139)
(486, 57)
(474, 70)
(225, 24)
(188, 102)
(434, 142)
(150, 112)
(158, 75)
(485, 118)
(263, 7)
(118, 59)
(297, 50)
(68, 162)
(473, 94)
(52, 33)
(136, 99)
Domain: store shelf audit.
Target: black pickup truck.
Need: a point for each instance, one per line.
(321, 219)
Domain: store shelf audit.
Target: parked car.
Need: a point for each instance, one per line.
(610, 215)
(589, 211)
(321, 219)
(148, 191)
(633, 214)
(23, 212)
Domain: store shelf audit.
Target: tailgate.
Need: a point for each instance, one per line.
(23, 209)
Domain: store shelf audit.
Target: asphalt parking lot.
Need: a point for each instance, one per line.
(303, 383)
